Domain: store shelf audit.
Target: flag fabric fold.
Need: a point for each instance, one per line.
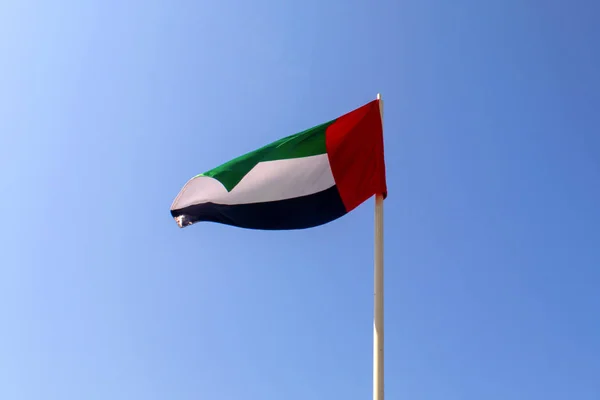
(298, 182)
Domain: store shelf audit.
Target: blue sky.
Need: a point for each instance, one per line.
(491, 226)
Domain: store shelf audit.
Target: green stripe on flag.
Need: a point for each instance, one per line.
(310, 142)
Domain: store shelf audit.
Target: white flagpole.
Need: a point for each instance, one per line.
(378, 293)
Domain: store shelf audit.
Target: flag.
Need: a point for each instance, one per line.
(301, 181)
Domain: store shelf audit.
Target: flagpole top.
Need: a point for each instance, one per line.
(378, 96)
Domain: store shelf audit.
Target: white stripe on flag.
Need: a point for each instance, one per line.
(268, 181)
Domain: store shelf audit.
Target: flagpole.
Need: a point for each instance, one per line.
(378, 292)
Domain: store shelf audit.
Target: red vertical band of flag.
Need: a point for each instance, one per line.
(355, 150)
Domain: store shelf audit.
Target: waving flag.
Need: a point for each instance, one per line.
(301, 181)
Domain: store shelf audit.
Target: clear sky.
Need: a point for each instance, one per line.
(492, 238)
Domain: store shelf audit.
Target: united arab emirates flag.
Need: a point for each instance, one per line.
(300, 181)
